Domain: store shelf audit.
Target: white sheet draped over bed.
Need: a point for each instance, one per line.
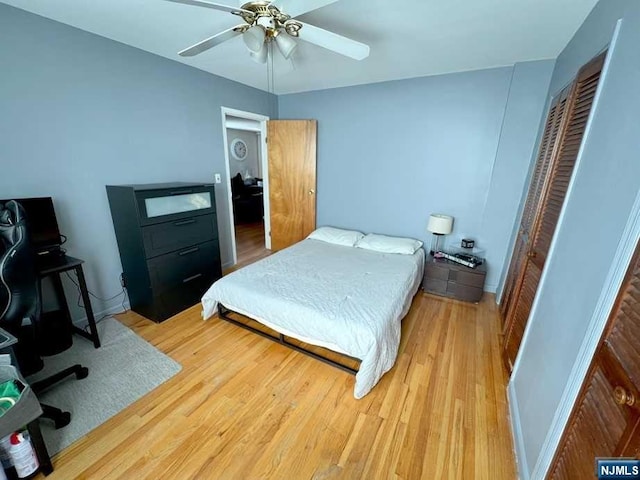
(346, 299)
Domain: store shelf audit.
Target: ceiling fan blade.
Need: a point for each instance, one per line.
(334, 42)
(298, 7)
(208, 43)
(215, 6)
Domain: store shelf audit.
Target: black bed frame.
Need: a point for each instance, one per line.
(223, 312)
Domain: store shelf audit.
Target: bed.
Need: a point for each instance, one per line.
(346, 299)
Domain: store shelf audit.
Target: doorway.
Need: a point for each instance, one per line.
(246, 166)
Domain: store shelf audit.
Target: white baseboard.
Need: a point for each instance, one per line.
(83, 322)
(516, 430)
(490, 288)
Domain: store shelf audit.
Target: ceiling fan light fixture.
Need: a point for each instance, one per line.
(285, 44)
(265, 22)
(292, 27)
(254, 38)
(261, 55)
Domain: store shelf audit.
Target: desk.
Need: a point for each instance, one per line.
(53, 268)
(254, 189)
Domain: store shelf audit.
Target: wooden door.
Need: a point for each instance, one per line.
(605, 421)
(292, 180)
(553, 192)
(538, 177)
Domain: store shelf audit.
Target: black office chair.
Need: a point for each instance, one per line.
(20, 304)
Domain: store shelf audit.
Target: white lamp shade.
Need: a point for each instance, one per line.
(440, 224)
(261, 55)
(286, 44)
(254, 38)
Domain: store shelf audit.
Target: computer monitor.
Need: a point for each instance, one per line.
(42, 223)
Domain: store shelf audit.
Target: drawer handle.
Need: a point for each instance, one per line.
(187, 252)
(184, 222)
(623, 397)
(180, 192)
(192, 277)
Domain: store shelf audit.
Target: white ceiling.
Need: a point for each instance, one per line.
(407, 39)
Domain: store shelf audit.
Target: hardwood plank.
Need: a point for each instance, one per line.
(245, 407)
(250, 243)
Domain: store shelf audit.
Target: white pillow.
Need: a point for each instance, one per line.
(337, 236)
(384, 244)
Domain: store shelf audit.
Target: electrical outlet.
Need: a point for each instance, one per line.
(218, 178)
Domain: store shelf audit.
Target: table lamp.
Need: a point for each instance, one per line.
(439, 225)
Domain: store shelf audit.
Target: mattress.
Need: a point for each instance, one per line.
(347, 299)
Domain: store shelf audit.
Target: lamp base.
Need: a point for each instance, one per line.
(436, 243)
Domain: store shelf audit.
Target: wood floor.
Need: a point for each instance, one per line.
(244, 407)
(250, 243)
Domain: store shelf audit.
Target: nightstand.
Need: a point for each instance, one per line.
(450, 279)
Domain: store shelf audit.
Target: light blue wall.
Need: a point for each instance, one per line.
(78, 111)
(391, 153)
(516, 152)
(598, 205)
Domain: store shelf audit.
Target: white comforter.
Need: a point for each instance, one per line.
(347, 299)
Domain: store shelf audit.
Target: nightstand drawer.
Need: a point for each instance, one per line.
(436, 271)
(450, 279)
(435, 286)
(464, 292)
(467, 278)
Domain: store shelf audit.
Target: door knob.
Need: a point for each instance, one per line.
(532, 254)
(623, 397)
(311, 191)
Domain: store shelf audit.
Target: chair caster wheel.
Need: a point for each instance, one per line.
(62, 420)
(82, 373)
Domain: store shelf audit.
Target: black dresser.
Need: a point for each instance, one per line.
(167, 235)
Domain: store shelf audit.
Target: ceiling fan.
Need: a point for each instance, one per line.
(266, 22)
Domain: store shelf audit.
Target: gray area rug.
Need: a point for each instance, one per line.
(121, 371)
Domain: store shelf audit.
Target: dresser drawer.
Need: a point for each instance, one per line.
(180, 234)
(183, 201)
(184, 266)
(181, 297)
(464, 292)
(467, 278)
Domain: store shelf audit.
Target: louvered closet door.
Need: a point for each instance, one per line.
(562, 169)
(519, 314)
(515, 267)
(553, 193)
(547, 143)
(605, 421)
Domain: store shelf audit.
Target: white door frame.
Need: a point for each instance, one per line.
(265, 174)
